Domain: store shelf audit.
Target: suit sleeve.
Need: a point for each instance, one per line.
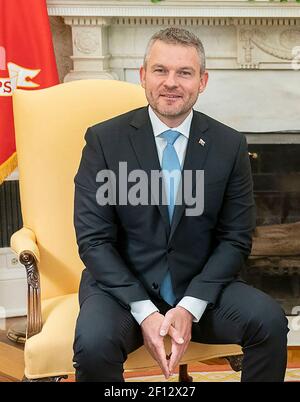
(96, 228)
(233, 233)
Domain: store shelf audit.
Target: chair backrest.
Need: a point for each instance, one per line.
(50, 125)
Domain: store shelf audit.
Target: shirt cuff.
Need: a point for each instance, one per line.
(195, 306)
(142, 309)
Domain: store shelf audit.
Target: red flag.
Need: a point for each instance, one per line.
(27, 61)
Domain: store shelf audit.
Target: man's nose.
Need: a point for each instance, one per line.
(171, 80)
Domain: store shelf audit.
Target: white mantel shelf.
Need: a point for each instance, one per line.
(174, 8)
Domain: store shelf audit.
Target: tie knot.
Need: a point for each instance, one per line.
(170, 136)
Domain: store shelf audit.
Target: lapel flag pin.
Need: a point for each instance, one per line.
(202, 142)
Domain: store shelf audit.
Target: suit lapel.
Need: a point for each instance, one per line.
(194, 158)
(143, 143)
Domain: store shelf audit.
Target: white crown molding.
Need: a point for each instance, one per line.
(174, 8)
(189, 21)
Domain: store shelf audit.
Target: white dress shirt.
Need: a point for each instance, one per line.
(142, 309)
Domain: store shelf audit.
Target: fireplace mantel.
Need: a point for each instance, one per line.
(252, 52)
(174, 8)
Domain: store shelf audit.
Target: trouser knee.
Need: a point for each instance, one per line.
(98, 360)
(270, 325)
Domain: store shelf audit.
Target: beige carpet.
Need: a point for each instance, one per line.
(292, 375)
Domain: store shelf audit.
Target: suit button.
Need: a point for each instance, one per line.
(170, 250)
(154, 285)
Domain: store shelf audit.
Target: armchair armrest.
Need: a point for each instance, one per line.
(23, 242)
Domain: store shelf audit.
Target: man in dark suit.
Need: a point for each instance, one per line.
(155, 268)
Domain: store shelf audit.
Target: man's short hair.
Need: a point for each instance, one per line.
(178, 36)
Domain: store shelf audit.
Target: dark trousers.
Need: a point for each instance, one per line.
(106, 333)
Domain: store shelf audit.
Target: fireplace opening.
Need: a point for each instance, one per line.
(274, 264)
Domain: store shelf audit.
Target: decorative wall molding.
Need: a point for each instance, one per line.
(173, 8)
(260, 46)
(88, 21)
(90, 48)
(62, 41)
(251, 51)
(94, 25)
(204, 21)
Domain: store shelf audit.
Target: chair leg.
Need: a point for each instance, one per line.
(183, 374)
(45, 379)
(235, 362)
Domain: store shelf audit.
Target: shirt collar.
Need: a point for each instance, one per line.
(159, 127)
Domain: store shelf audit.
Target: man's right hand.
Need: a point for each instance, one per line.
(154, 342)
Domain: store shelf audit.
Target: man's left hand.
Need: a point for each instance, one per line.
(180, 319)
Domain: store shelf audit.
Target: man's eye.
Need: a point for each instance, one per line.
(158, 70)
(186, 73)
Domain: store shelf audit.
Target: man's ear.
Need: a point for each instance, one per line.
(203, 82)
(142, 76)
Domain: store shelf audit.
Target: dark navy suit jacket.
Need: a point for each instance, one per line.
(128, 249)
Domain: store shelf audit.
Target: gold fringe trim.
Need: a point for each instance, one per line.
(8, 167)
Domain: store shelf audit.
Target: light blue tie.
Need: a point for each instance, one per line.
(170, 163)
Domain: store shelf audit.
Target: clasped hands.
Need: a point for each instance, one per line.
(177, 323)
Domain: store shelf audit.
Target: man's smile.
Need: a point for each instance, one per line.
(171, 96)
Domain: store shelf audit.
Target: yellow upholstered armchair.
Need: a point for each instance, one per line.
(50, 126)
